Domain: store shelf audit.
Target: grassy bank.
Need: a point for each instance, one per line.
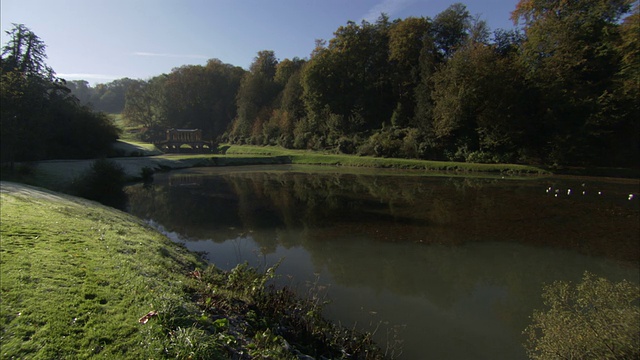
(316, 158)
(78, 278)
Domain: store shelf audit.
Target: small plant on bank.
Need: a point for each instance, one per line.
(192, 343)
(596, 319)
(268, 322)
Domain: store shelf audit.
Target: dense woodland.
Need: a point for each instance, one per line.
(561, 88)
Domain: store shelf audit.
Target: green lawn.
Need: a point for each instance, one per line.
(128, 132)
(135, 148)
(77, 276)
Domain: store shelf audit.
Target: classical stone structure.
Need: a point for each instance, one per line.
(185, 140)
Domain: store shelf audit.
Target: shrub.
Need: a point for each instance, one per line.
(103, 182)
(392, 142)
(146, 173)
(482, 157)
(286, 141)
(346, 145)
(596, 319)
(411, 144)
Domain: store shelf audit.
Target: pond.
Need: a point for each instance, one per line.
(440, 264)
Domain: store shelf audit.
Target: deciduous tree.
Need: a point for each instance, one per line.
(570, 55)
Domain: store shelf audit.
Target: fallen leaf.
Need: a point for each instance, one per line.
(150, 314)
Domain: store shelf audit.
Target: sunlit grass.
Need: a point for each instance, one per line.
(135, 148)
(128, 131)
(77, 276)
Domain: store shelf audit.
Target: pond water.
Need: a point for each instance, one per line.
(434, 264)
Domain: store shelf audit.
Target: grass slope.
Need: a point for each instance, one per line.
(76, 277)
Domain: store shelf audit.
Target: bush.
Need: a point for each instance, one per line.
(346, 145)
(392, 142)
(596, 319)
(103, 182)
(146, 173)
(286, 141)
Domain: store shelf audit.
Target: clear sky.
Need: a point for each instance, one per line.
(103, 40)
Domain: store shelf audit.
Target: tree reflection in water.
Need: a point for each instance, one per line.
(460, 261)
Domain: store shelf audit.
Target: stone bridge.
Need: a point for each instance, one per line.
(177, 139)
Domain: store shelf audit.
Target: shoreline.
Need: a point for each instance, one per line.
(101, 282)
(135, 157)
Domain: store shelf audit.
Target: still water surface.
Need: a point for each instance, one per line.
(451, 266)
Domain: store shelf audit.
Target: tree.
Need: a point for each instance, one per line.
(482, 104)
(81, 89)
(264, 64)
(25, 53)
(507, 42)
(626, 93)
(348, 85)
(256, 95)
(406, 40)
(450, 29)
(112, 100)
(595, 319)
(145, 103)
(14, 88)
(288, 105)
(287, 68)
(201, 97)
(191, 96)
(569, 53)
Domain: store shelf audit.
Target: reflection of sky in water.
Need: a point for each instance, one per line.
(460, 302)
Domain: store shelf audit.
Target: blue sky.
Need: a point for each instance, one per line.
(103, 40)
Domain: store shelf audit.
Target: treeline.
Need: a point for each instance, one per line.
(109, 97)
(40, 118)
(561, 89)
